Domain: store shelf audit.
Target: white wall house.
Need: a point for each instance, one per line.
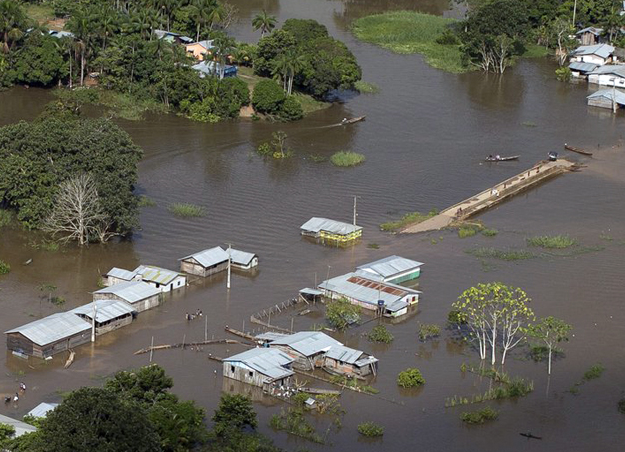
(598, 54)
(161, 278)
(609, 75)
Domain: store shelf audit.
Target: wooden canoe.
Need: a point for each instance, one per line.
(574, 149)
(352, 120)
(502, 159)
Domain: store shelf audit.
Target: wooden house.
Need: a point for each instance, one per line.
(392, 269)
(264, 367)
(139, 295)
(307, 348)
(607, 98)
(205, 263)
(50, 335)
(109, 314)
(161, 278)
(347, 361)
(332, 230)
(589, 36)
(243, 260)
(389, 299)
(119, 275)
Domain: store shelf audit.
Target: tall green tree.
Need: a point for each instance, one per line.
(12, 23)
(550, 331)
(264, 22)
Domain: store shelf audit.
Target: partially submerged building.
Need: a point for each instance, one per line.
(109, 314)
(139, 295)
(608, 75)
(393, 269)
(205, 263)
(389, 299)
(599, 54)
(607, 98)
(161, 278)
(348, 361)
(264, 367)
(307, 348)
(243, 260)
(324, 228)
(50, 335)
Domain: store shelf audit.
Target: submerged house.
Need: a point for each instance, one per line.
(205, 263)
(392, 300)
(141, 296)
(307, 348)
(599, 54)
(581, 70)
(609, 75)
(119, 275)
(607, 98)
(109, 314)
(50, 335)
(161, 278)
(243, 259)
(393, 269)
(348, 361)
(324, 228)
(264, 367)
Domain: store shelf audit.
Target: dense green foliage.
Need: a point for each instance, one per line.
(341, 313)
(303, 52)
(268, 97)
(479, 416)
(407, 219)
(410, 378)
(552, 241)
(347, 158)
(594, 372)
(380, 334)
(370, 429)
(4, 268)
(36, 157)
(428, 330)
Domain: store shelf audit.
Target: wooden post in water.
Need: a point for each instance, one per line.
(292, 318)
(184, 339)
(151, 348)
(206, 328)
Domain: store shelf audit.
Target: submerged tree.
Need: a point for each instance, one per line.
(551, 331)
(341, 313)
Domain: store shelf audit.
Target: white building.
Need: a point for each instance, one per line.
(161, 278)
(609, 75)
(599, 54)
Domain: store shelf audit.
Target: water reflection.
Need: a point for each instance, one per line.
(355, 9)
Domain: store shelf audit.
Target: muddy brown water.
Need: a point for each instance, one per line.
(424, 138)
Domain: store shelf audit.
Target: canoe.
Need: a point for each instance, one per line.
(352, 120)
(502, 159)
(574, 149)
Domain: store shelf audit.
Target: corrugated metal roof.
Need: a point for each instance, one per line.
(42, 409)
(309, 291)
(52, 328)
(607, 94)
(595, 31)
(583, 67)
(367, 290)
(390, 266)
(105, 310)
(156, 274)
(267, 361)
(20, 427)
(396, 305)
(366, 360)
(601, 50)
(344, 354)
(317, 224)
(120, 273)
(308, 343)
(241, 257)
(210, 257)
(131, 291)
(269, 336)
(616, 69)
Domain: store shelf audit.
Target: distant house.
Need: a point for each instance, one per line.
(348, 361)
(266, 368)
(205, 263)
(21, 428)
(199, 49)
(161, 278)
(325, 228)
(243, 260)
(391, 299)
(212, 68)
(60, 34)
(393, 269)
(599, 54)
(607, 98)
(581, 70)
(307, 348)
(109, 314)
(50, 335)
(139, 295)
(118, 275)
(42, 410)
(609, 75)
(589, 36)
(172, 37)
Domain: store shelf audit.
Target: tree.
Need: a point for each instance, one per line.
(491, 311)
(264, 22)
(613, 22)
(96, 420)
(235, 412)
(268, 97)
(145, 385)
(223, 46)
(12, 23)
(77, 213)
(40, 61)
(560, 29)
(341, 313)
(410, 378)
(551, 331)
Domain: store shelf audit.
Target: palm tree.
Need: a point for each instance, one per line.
(201, 15)
(81, 25)
(264, 22)
(12, 22)
(613, 22)
(286, 65)
(224, 45)
(216, 13)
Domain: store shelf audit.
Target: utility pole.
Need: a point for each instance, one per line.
(574, 11)
(355, 214)
(229, 264)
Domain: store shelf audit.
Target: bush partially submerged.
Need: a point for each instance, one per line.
(427, 331)
(341, 313)
(347, 158)
(380, 334)
(410, 378)
(4, 268)
(480, 416)
(552, 241)
(370, 429)
(186, 210)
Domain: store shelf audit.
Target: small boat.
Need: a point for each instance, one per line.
(574, 149)
(552, 156)
(529, 435)
(346, 121)
(497, 158)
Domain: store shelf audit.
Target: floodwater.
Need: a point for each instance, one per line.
(425, 135)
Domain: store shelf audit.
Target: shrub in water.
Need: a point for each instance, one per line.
(347, 158)
(480, 416)
(594, 372)
(427, 331)
(4, 268)
(410, 378)
(370, 429)
(186, 210)
(291, 109)
(552, 241)
(380, 334)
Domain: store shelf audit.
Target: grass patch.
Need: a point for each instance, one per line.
(540, 353)
(370, 429)
(409, 218)
(489, 232)
(380, 334)
(186, 210)
(317, 158)
(504, 255)
(4, 268)
(46, 245)
(479, 416)
(352, 383)
(535, 51)
(410, 378)
(373, 246)
(144, 201)
(466, 231)
(552, 241)
(411, 32)
(428, 331)
(347, 158)
(41, 13)
(528, 124)
(6, 216)
(366, 88)
(594, 372)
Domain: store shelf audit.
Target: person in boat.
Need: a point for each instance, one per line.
(344, 121)
(497, 157)
(490, 157)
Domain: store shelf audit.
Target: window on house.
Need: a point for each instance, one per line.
(231, 369)
(251, 374)
(157, 285)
